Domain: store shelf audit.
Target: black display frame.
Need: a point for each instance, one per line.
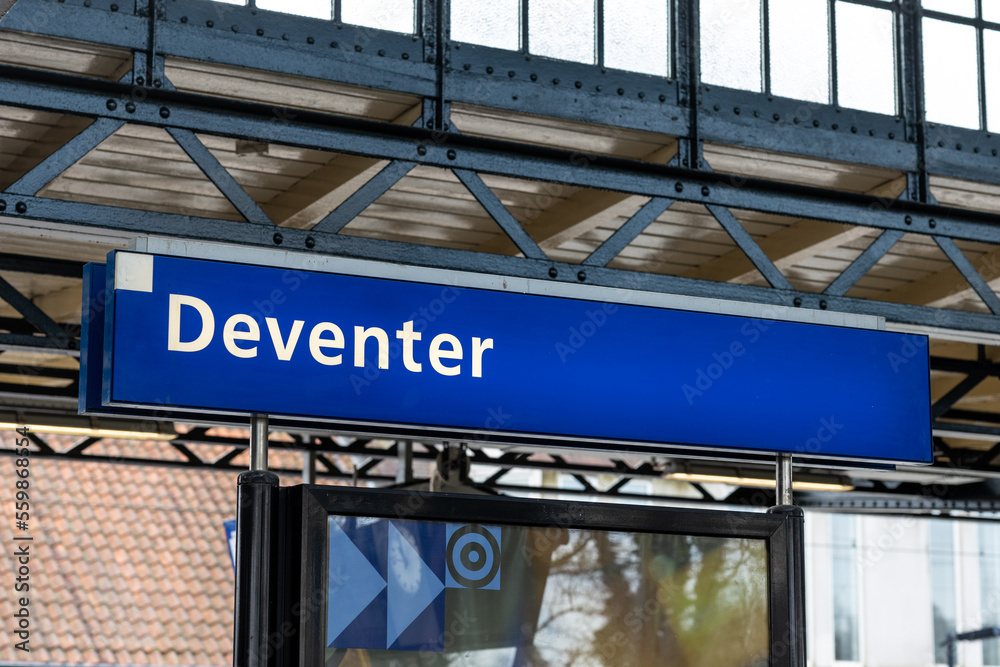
(303, 555)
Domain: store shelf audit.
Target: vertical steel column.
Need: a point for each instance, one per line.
(794, 562)
(258, 442)
(687, 69)
(909, 49)
(255, 555)
(309, 467)
(404, 462)
(783, 480)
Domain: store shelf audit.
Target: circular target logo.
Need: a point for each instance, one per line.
(473, 556)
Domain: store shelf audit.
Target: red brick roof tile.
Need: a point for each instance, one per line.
(130, 563)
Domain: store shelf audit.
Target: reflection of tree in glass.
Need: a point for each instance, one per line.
(607, 599)
(638, 599)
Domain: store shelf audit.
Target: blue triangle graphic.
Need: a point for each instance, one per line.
(354, 583)
(412, 585)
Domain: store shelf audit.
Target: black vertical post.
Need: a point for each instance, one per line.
(909, 49)
(794, 561)
(795, 564)
(765, 41)
(599, 24)
(981, 61)
(255, 557)
(688, 72)
(831, 10)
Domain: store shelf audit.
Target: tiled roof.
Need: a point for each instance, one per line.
(129, 565)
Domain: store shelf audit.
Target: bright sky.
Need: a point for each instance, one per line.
(635, 38)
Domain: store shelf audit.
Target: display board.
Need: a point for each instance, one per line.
(212, 337)
(396, 578)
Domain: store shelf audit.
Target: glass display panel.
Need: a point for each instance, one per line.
(395, 15)
(957, 7)
(636, 35)
(496, 23)
(991, 49)
(317, 9)
(991, 10)
(502, 595)
(731, 43)
(563, 29)
(951, 74)
(866, 58)
(800, 52)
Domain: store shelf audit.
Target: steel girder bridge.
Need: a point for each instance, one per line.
(209, 121)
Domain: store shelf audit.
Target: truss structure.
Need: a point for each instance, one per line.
(202, 120)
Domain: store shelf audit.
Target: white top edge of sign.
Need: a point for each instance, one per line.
(369, 268)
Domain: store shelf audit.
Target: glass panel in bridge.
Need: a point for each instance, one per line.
(943, 584)
(989, 587)
(866, 58)
(636, 35)
(496, 23)
(991, 48)
(395, 15)
(731, 43)
(957, 7)
(991, 10)
(800, 49)
(951, 73)
(563, 29)
(317, 9)
(844, 543)
(552, 596)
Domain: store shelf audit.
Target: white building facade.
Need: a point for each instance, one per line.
(884, 591)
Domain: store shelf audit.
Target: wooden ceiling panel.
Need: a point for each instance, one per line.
(557, 133)
(966, 194)
(63, 55)
(141, 198)
(405, 231)
(752, 163)
(161, 177)
(284, 91)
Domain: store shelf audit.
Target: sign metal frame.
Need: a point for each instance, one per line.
(292, 261)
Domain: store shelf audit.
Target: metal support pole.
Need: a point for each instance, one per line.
(309, 467)
(255, 558)
(258, 442)
(783, 480)
(404, 462)
(794, 560)
(255, 554)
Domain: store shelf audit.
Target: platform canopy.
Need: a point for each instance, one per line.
(685, 154)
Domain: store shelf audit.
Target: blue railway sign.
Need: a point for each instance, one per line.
(198, 336)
